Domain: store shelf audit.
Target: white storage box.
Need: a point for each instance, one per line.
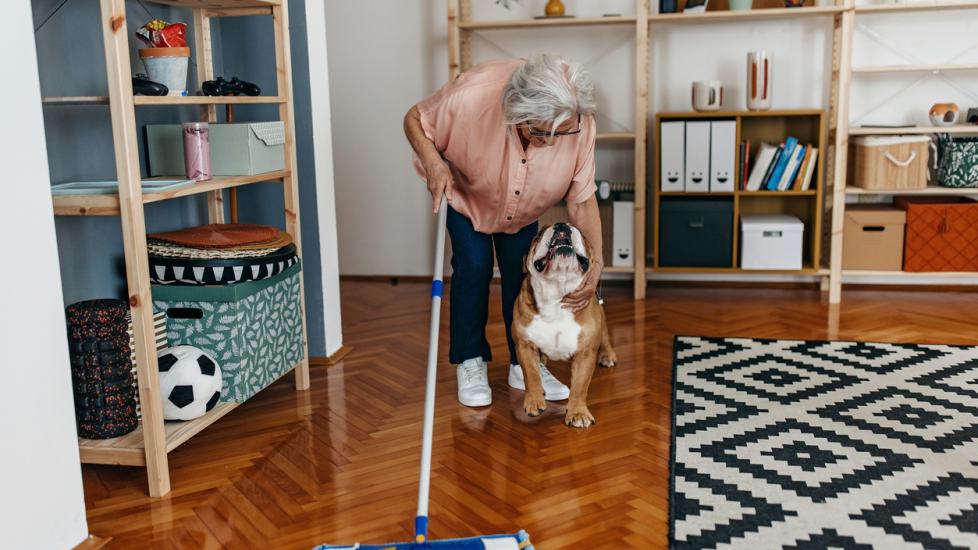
(771, 241)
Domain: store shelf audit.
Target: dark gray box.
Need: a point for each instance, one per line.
(696, 232)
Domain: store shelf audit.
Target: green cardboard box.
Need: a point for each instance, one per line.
(253, 329)
(237, 149)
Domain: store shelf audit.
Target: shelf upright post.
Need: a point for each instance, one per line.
(283, 68)
(205, 71)
(842, 30)
(641, 135)
(116, 41)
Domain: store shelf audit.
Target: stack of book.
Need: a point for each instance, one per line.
(786, 167)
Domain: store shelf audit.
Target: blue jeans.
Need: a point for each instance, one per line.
(471, 275)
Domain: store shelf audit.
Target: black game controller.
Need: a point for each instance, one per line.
(235, 86)
(142, 85)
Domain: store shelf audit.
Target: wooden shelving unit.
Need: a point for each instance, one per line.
(808, 125)
(840, 131)
(149, 444)
(460, 29)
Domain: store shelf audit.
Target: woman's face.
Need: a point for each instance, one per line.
(568, 125)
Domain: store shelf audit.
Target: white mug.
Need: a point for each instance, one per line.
(707, 95)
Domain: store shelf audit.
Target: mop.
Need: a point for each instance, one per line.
(488, 542)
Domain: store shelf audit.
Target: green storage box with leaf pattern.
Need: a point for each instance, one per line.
(253, 329)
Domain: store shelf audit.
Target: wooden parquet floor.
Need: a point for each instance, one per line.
(338, 464)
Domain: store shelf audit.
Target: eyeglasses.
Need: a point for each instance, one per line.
(546, 133)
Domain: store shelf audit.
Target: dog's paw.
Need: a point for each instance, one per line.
(533, 405)
(607, 359)
(579, 418)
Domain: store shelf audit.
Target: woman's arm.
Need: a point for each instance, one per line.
(584, 216)
(439, 176)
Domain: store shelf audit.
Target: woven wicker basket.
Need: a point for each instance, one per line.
(892, 162)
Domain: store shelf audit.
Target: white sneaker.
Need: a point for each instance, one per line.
(553, 389)
(473, 383)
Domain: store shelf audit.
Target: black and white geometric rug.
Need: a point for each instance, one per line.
(811, 444)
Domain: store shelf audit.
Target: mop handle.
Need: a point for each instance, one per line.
(421, 521)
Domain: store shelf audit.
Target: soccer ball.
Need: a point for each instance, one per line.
(190, 382)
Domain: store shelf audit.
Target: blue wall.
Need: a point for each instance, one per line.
(79, 140)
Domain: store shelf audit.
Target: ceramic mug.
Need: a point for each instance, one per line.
(707, 95)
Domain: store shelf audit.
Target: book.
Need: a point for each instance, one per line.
(807, 182)
(770, 168)
(802, 170)
(745, 164)
(789, 149)
(740, 166)
(765, 154)
(791, 170)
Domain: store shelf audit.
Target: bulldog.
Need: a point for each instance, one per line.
(544, 328)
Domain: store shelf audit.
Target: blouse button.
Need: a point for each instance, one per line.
(523, 161)
(517, 192)
(509, 217)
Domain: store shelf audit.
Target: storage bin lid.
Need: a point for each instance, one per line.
(771, 222)
(697, 205)
(270, 133)
(876, 214)
(220, 293)
(880, 141)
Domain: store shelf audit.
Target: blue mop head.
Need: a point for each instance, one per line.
(519, 541)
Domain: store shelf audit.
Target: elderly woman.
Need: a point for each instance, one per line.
(504, 142)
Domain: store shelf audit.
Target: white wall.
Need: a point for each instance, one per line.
(386, 55)
(325, 192)
(41, 501)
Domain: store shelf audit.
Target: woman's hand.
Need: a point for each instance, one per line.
(440, 181)
(581, 297)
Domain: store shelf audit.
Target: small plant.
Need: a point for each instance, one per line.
(505, 3)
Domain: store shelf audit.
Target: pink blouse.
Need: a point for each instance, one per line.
(500, 187)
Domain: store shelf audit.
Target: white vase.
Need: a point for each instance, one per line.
(759, 80)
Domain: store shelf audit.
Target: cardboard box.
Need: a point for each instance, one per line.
(253, 329)
(873, 237)
(238, 149)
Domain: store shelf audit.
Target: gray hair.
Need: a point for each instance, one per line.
(548, 89)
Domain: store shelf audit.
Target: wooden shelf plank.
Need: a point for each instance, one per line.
(735, 270)
(742, 114)
(618, 269)
(696, 194)
(807, 193)
(915, 68)
(108, 205)
(217, 4)
(76, 100)
(879, 131)
(911, 274)
(206, 99)
(744, 15)
(612, 136)
(128, 449)
(556, 22)
(930, 190)
(923, 6)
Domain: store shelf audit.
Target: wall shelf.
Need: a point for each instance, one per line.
(929, 190)
(915, 68)
(108, 205)
(544, 23)
(889, 131)
(922, 6)
(744, 15)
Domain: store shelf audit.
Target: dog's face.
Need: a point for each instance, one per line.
(558, 260)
